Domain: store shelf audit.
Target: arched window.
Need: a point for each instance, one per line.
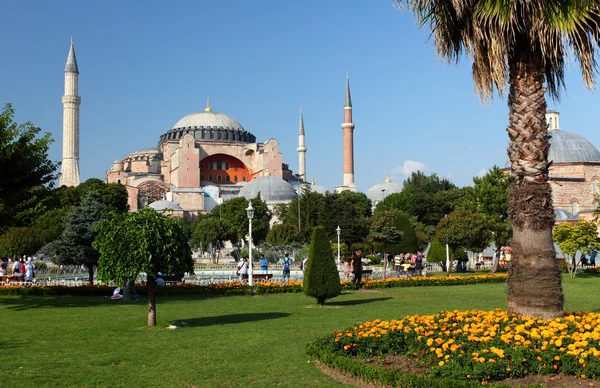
(201, 177)
(244, 178)
(574, 208)
(595, 185)
(227, 178)
(219, 178)
(235, 178)
(550, 122)
(210, 177)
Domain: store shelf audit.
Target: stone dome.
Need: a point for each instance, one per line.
(298, 187)
(209, 126)
(208, 120)
(563, 215)
(146, 151)
(271, 189)
(567, 147)
(381, 190)
(165, 205)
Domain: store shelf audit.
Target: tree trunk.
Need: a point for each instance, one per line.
(91, 275)
(534, 286)
(449, 269)
(151, 302)
(385, 263)
(496, 258)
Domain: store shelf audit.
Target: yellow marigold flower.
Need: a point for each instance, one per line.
(441, 363)
(557, 358)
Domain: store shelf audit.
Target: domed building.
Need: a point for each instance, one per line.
(574, 173)
(272, 190)
(204, 159)
(381, 190)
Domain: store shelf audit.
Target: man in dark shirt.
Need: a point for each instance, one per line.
(357, 268)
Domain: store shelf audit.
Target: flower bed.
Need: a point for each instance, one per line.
(467, 346)
(237, 288)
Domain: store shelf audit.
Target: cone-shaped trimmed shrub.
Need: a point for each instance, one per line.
(321, 277)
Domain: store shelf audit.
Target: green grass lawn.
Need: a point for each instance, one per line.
(229, 342)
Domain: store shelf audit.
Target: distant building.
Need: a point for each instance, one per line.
(574, 174)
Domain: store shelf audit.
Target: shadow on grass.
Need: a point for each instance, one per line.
(230, 319)
(357, 301)
(33, 302)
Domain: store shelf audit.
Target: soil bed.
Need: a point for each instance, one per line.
(406, 365)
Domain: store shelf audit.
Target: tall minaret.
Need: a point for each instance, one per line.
(348, 129)
(301, 150)
(70, 160)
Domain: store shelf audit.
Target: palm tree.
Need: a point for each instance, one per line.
(524, 42)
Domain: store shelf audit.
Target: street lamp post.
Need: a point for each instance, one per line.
(250, 213)
(338, 230)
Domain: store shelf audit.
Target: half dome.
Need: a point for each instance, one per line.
(381, 190)
(270, 188)
(165, 205)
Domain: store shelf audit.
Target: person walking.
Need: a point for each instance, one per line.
(29, 271)
(264, 264)
(418, 264)
(286, 262)
(242, 271)
(347, 268)
(593, 258)
(357, 267)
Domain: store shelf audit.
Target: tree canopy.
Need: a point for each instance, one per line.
(233, 215)
(25, 166)
(142, 242)
(20, 241)
(427, 197)
(572, 238)
(74, 246)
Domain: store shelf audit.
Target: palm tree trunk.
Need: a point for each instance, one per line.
(534, 286)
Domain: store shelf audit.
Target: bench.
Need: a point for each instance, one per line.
(262, 277)
(11, 279)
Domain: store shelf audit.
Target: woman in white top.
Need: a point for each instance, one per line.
(243, 269)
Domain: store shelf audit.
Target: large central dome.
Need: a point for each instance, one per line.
(208, 120)
(209, 126)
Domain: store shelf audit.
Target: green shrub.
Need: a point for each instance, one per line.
(321, 278)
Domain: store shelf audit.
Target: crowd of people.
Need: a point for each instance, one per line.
(21, 268)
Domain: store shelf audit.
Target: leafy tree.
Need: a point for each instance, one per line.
(463, 229)
(234, 216)
(384, 233)
(309, 207)
(572, 238)
(208, 231)
(51, 224)
(74, 246)
(524, 43)
(321, 277)
(428, 198)
(408, 242)
(358, 201)
(280, 211)
(437, 254)
(283, 234)
(25, 166)
(339, 211)
(142, 242)
(343, 248)
(20, 241)
(489, 197)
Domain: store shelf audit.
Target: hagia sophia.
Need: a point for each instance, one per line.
(208, 157)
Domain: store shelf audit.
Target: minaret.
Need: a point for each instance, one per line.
(301, 150)
(70, 160)
(348, 129)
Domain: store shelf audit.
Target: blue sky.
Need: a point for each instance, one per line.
(145, 64)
